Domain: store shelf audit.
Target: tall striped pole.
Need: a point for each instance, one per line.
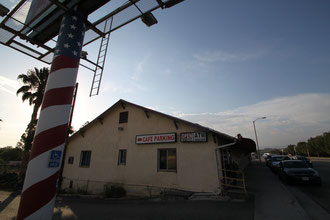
(39, 189)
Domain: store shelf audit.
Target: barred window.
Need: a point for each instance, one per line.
(123, 117)
(122, 157)
(85, 158)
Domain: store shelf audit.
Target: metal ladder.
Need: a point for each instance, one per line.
(100, 61)
(231, 180)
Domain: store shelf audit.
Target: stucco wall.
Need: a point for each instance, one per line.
(196, 168)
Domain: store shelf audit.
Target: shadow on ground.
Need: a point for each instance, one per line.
(121, 210)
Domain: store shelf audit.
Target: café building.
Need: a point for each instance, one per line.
(147, 152)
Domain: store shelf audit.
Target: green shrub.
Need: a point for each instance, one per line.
(9, 181)
(81, 191)
(114, 191)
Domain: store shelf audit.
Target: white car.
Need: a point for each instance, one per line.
(265, 155)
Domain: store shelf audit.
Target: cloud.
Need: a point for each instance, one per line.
(138, 71)
(8, 85)
(115, 88)
(289, 119)
(224, 56)
(139, 68)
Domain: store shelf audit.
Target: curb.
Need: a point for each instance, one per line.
(295, 201)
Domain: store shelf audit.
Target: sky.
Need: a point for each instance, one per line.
(219, 63)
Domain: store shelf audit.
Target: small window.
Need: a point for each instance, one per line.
(167, 160)
(85, 158)
(70, 160)
(122, 157)
(123, 117)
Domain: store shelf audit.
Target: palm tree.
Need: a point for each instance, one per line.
(33, 90)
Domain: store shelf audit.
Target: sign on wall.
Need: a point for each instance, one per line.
(200, 136)
(156, 138)
(55, 158)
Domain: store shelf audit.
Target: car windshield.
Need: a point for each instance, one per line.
(294, 164)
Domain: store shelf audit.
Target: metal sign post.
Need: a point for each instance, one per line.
(38, 194)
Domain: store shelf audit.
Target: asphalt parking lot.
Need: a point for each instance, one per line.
(86, 208)
(313, 197)
(122, 210)
(271, 200)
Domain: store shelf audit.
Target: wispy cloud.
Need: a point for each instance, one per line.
(289, 119)
(139, 68)
(138, 71)
(115, 88)
(224, 56)
(8, 85)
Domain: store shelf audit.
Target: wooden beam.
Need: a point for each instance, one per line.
(123, 105)
(147, 113)
(176, 124)
(82, 133)
(100, 120)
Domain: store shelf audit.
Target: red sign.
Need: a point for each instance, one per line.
(156, 138)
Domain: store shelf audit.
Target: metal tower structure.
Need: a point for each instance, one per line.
(55, 32)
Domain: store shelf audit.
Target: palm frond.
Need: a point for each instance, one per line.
(23, 90)
(43, 75)
(24, 78)
(26, 96)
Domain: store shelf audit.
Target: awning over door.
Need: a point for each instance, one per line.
(246, 144)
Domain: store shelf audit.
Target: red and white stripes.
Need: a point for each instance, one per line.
(38, 194)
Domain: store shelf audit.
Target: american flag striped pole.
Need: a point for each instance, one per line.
(39, 189)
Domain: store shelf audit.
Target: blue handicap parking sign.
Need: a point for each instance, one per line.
(55, 158)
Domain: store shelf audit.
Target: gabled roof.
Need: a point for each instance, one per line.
(175, 119)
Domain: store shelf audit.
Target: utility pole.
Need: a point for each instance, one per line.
(255, 132)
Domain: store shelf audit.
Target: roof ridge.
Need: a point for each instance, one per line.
(157, 112)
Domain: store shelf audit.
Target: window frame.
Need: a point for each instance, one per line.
(120, 156)
(158, 160)
(123, 117)
(81, 158)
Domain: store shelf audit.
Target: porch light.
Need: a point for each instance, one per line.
(149, 19)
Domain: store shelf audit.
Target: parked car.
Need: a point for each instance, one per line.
(296, 171)
(265, 155)
(268, 160)
(304, 159)
(275, 161)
